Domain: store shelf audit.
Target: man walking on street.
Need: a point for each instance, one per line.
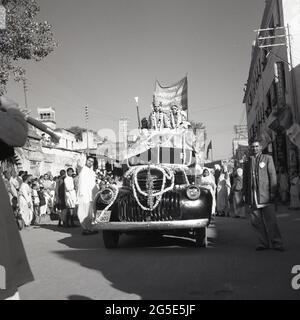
(260, 185)
(60, 196)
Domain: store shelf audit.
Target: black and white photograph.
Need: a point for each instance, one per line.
(150, 151)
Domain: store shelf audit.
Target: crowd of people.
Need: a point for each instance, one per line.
(227, 190)
(35, 200)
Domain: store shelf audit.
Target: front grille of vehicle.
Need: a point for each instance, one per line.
(157, 180)
(168, 209)
(157, 184)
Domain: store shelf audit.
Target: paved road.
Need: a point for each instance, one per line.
(68, 265)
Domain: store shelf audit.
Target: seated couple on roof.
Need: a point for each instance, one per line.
(159, 119)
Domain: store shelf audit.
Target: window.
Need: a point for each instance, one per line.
(46, 116)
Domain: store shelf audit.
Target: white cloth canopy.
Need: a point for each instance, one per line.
(166, 138)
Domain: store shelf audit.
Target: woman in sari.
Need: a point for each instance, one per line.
(223, 190)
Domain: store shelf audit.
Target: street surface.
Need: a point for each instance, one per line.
(69, 266)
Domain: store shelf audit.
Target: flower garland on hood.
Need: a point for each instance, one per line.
(167, 173)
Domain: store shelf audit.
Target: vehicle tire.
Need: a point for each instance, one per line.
(111, 239)
(201, 238)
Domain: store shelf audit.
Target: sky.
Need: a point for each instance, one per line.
(110, 51)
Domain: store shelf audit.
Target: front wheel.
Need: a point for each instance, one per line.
(200, 237)
(111, 239)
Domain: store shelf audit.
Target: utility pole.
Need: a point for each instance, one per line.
(286, 36)
(267, 43)
(87, 129)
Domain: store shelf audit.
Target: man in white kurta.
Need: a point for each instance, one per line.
(86, 184)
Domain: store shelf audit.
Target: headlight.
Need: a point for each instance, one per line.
(193, 192)
(106, 195)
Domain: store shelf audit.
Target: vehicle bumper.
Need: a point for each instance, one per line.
(156, 225)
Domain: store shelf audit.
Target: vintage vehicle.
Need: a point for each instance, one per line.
(156, 196)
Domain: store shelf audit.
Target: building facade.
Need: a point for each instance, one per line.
(272, 92)
(41, 155)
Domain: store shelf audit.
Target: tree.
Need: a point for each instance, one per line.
(22, 39)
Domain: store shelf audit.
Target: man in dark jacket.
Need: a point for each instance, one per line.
(14, 267)
(60, 196)
(260, 186)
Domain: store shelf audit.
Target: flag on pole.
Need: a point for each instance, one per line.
(209, 147)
